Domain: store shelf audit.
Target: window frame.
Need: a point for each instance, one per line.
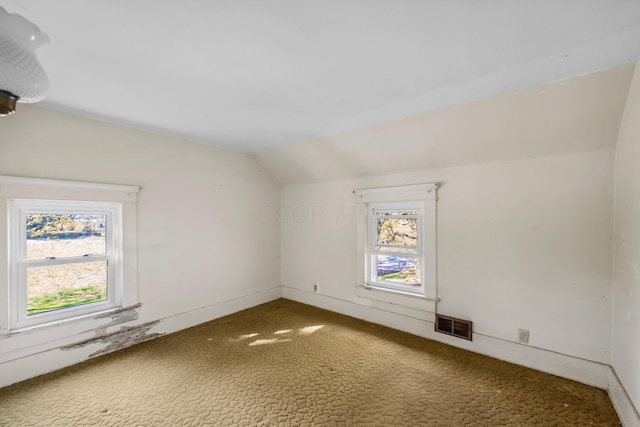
(19, 188)
(422, 195)
(18, 263)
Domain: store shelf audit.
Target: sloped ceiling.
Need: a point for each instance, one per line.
(259, 75)
(577, 115)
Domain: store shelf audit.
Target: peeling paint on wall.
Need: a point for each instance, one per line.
(118, 316)
(122, 315)
(123, 338)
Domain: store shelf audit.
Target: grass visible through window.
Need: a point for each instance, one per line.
(65, 298)
(399, 276)
(53, 287)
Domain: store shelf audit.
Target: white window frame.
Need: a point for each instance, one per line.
(18, 195)
(18, 263)
(422, 197)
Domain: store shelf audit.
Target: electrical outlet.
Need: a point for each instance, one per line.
(523, 336)
(315, 287)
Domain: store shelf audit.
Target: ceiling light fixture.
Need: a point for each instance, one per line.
(22, 78)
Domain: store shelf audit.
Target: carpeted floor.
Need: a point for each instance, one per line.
(288, 364)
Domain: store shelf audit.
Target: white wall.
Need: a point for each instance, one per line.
(203, 250)
(626, 283)
(521, 244)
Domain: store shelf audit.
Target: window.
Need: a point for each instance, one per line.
(397, 240)
(65, 259)
(69, 250)
(395, 247)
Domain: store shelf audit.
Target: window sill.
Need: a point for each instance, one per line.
(396, 297)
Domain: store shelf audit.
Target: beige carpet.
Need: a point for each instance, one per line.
(288, 364)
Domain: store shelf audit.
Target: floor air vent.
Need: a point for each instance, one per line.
(456, 327)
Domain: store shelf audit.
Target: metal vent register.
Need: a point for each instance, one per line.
(456, 327)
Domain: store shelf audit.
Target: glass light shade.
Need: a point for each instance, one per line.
(21, 75)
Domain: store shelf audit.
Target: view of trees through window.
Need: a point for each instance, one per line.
(60, 271)
(396, 247)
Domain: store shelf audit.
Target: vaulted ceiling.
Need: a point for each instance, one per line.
(260, 75)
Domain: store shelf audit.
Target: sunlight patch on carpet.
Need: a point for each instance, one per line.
(310, 329)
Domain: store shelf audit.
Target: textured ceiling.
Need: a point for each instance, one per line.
(257, 75)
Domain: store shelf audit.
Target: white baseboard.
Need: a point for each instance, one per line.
(51, 359)
(625, 408)
(562, 365)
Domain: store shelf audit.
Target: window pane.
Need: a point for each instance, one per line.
(399, 270)
(53, 287)
(68, 235)
(397, 231)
